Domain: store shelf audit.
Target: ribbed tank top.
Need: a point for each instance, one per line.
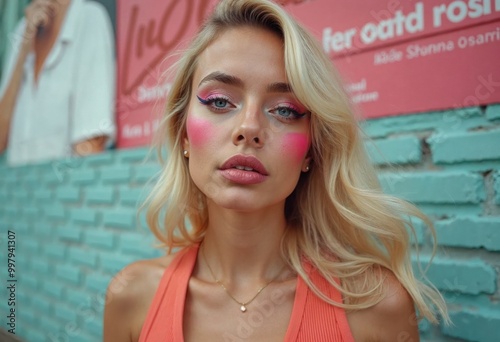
(312, 319)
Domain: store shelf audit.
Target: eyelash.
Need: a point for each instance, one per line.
(209, 101)
(295, 115)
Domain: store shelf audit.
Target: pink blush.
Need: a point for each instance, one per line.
(198, 130)
(296, 144)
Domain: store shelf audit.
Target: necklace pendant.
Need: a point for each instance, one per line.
(243, 308)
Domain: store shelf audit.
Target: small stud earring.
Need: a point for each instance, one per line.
(186, 153)
(307, 168)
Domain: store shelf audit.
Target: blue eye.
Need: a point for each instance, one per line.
(287, 113)
(215, 103)
(219, 103)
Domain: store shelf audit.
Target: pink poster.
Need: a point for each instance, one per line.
(403, 57)
(396, 57)
(148, 33)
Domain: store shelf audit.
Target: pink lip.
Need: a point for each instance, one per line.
(230, 172)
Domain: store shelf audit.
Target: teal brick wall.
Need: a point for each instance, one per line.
(76, 224)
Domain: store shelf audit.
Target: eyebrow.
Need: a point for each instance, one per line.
(277, 87)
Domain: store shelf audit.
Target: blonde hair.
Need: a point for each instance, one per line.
(337, 209)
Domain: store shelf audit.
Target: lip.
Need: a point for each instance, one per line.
(231, 173)
(246, 161)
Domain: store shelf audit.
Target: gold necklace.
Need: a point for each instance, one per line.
(243, 305)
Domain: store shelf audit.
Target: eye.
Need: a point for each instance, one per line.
(216, 103)
(287, 112)
(219, 103)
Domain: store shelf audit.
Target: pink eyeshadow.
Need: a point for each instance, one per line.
(296, 144)
(199, 131)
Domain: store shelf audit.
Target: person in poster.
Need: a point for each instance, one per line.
(290, 237)
(58, 86)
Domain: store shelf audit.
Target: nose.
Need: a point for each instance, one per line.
(250, 128)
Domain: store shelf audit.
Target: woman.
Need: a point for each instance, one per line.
(291, 238)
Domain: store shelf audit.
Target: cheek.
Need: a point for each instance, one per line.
(296, 145)
(198, 130)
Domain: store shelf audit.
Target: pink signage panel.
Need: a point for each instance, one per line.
(148, 33)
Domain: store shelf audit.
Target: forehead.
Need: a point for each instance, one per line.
(251, 53)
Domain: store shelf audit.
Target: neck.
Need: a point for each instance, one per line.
(244, 248)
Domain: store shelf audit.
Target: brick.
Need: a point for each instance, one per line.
(31, 211)
(104, 158)
(55, 212)
(12, 210)
(53, 288)
(84, 215)
(469, 276)
(22, 227)
(94, 327)
(460, 118)
(419, 236)
(401, 150)
(20, 194)
(86, 257)
(50, 326)
(132, 196)
(114, 262)
(83, 176)
(146, 172)
(493, 112)
(42, 194)
(496, 186)
(77, 297)
(100, 238)
(97, 282)
(41, 304)
(474, 324)
(4, 195)
(56, 250)
(44, 229)
(34, 335)
(31, 179)
(82, 337)
(465, 146)
(120, 219)
(64, 313)
(55, 175)
(40, 265)
(68, 194)
(69, 273)
(29, 280)
(24, 297)
(100, 195)
(470, 232)
(435, 187)
(11, 178)
(116, 174)
(69, 233)
(28, 316)
(140, 245)
(132, 155)
(29, 244)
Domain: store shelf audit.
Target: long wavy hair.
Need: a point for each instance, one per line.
(337, 210)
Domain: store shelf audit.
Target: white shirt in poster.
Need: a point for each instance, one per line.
(74, 98)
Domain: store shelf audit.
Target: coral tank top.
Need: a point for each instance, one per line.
(312, 319)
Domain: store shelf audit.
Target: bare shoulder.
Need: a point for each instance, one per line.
(129, 296)
(392, 319)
